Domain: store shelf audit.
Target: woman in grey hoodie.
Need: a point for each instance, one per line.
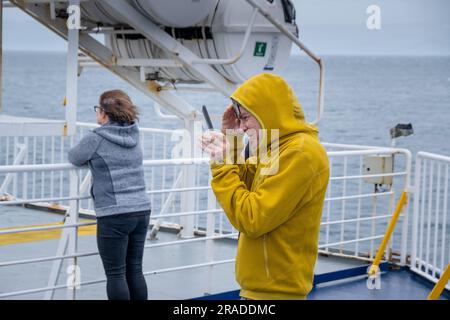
(122, 207)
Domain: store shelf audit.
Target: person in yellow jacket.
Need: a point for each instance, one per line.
(274, 198)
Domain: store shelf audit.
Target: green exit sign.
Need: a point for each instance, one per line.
(260, 49)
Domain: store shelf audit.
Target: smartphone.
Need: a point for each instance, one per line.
(236, 108)
(207, 118)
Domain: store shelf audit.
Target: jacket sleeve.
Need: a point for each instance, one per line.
(83, 151)
(235, 156)
(247, 173)
(272, 203)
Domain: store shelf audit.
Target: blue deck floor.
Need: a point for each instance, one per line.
(335, 277)
(395, 285)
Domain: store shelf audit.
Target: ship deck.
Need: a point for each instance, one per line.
(335, 277)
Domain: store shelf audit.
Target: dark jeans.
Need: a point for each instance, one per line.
(120, 241)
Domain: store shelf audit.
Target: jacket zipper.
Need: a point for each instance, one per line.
(266, 258)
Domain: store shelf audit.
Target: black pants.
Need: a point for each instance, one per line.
(120, 241)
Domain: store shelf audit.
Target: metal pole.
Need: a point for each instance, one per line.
(403, 199)
(189, 174)
(1, 55)
(210, 231)
(72, 76)
(440, 285)
(71, 122)
(72, 245)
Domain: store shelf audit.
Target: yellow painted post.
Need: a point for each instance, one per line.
(403, 198)
(440, 285)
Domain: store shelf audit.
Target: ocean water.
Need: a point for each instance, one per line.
(365, 96)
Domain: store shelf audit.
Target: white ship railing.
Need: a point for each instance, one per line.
(352, 223)
(431, 237)
(357, 215)
(75, 255)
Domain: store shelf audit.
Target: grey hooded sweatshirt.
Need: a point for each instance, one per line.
(114, 156)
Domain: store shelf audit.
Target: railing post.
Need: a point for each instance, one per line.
(406, 212)
(68, 243)
(73, 270)
(68, 240)
(390, 229)
(389, 245)
(70, 129)
(1, 55)
(72, 74)
(189, 174)
(210, 231)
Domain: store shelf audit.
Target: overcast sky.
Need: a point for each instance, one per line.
(417, 27)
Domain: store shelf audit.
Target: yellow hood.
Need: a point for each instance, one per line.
(272, 101)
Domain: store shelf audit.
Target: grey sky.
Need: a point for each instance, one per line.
(418, 27)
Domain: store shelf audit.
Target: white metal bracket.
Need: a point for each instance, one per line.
(139, 22)
(98, 52)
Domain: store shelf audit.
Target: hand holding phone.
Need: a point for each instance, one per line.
(229, 120)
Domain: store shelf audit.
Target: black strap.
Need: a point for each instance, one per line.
(247, 151)
(289, 11)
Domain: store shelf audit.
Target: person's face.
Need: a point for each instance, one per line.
(250, 126)
(101, 116)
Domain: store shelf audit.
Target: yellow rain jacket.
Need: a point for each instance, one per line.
(277, 213)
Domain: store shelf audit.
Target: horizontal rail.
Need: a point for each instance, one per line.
(72, 225)
(15, 202)
(360, 196)
(162, 162)
(395, 174)
(433, 156)
(154, 272)
(188, 213)
(181, 214)
(145, 130)
(168, 215)
(94, 253)
(179, 190)
(364, 152)
(38, 167)
(355, 220)
(350, 241)
(353, 146)
(68, 166)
